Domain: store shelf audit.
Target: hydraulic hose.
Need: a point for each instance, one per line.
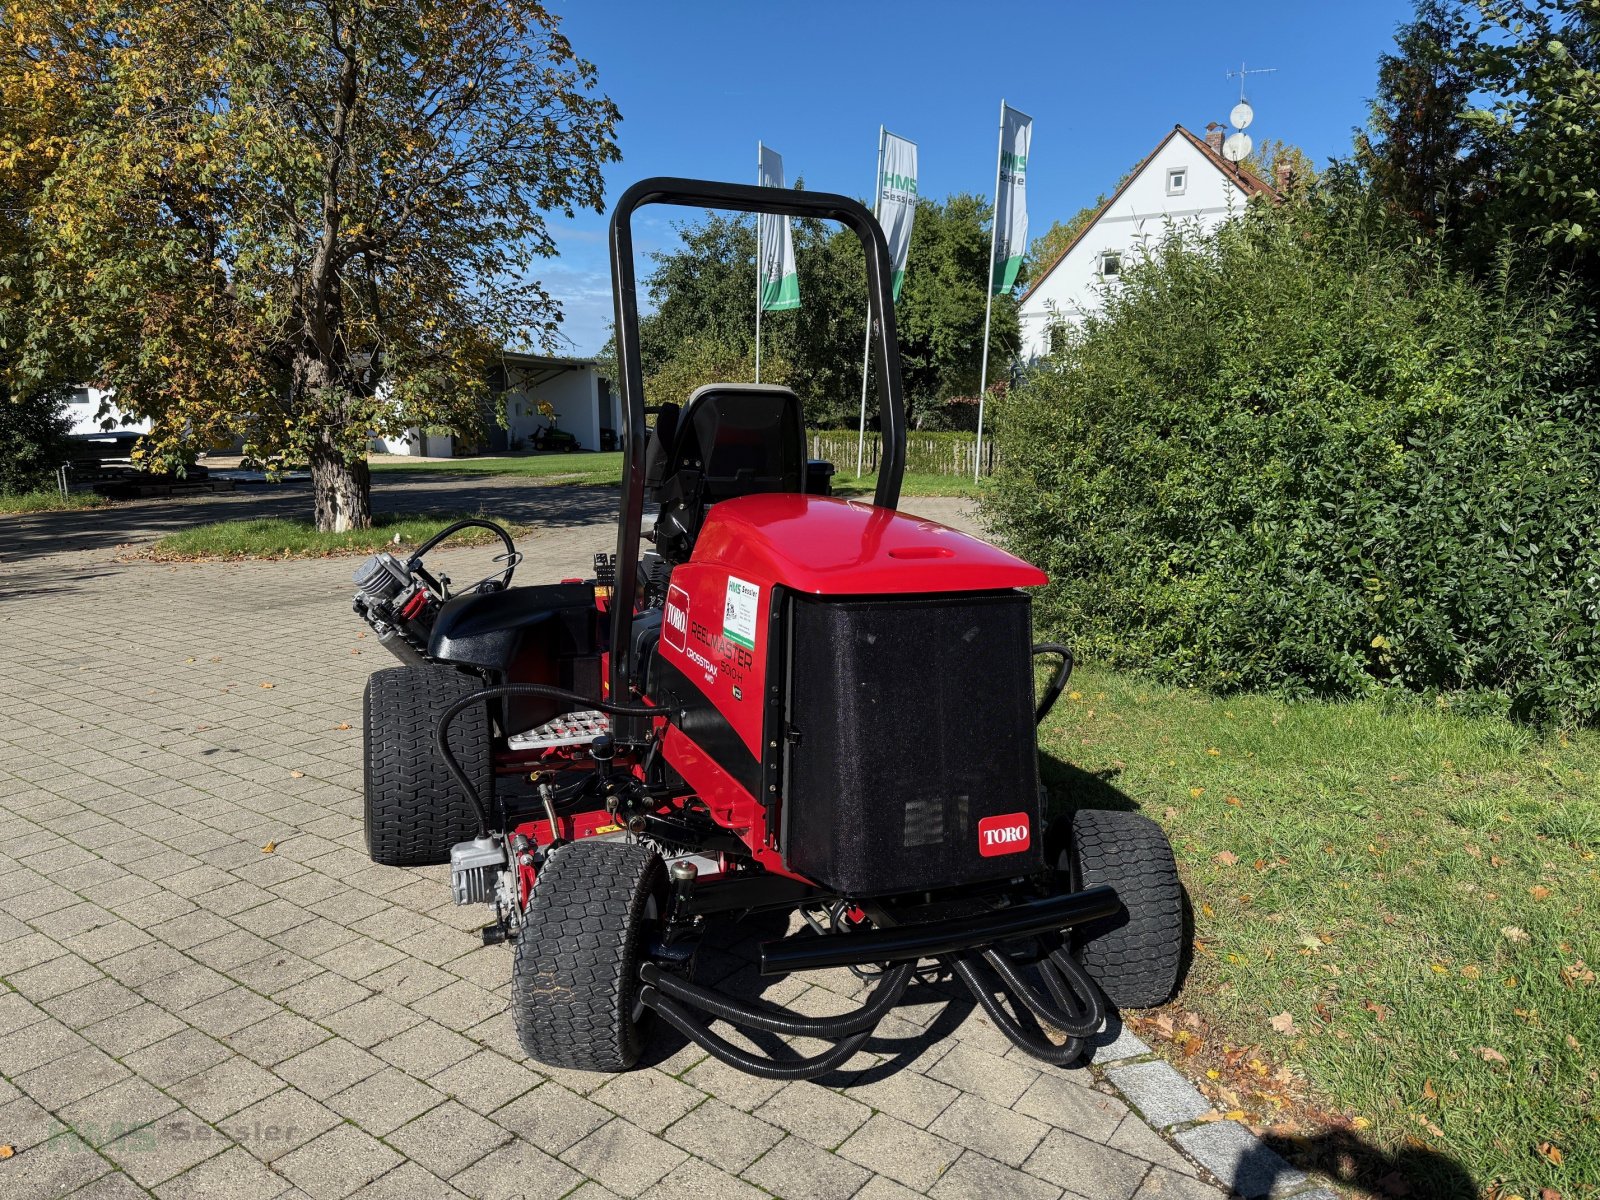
(855, 1027)
(1079, 1023)
(579, 703)
(754, 1064)
(1040, 1047)
(867, 1017)
(1058, 682)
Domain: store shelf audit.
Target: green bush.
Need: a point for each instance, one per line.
(1303, 455)
(33, 440)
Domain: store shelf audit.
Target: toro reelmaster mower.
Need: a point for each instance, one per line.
(792, 703)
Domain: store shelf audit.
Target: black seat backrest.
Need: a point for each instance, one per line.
(742, 439)
(730, 440)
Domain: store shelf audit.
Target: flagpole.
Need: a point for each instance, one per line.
(988, 284)
(758, 269)
(866, 349)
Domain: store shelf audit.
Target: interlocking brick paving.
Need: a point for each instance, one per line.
(185, 1014)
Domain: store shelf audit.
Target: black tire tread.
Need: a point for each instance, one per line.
(1136, 955)
(576, 973)
(413, 809)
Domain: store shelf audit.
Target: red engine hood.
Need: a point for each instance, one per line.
(831, 547)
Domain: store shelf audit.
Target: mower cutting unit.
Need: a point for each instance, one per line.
(793, 703)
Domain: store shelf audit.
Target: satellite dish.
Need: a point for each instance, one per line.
(1237, 147)
(1242, 115)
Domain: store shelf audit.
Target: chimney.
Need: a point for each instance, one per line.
(1284, 176)
(1214, 136)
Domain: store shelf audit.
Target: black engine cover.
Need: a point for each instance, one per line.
(912, 759)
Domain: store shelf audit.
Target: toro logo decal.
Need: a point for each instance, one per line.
(1009, 834)
(675, 617)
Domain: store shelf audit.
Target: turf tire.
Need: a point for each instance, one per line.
(1135, 955)
(576, 974)
(413, 808)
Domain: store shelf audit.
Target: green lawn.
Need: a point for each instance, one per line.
(590, 467)
(582, 467)
(48, 500)
(280, 537)
(1418, 892)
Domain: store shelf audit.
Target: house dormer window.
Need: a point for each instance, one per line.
(1177, 180)
(1110, 265)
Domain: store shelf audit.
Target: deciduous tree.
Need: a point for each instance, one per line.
(308, 223)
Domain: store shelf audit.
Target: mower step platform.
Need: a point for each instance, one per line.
(569, 729)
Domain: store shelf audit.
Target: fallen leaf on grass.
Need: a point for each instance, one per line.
(1512, 934)
(1226, 857)
(1234, 801)
(297, 774)
(1196, 793)
(1471, 972)
(1573, 1043)
(1213, 752)
(1551, 1153)
(1578, 973)
(1488, 1055)
(1429, 1092)
(1284, 1024)
(1539, 892)
(1549, 1193)
(269, 848)
(1376, 1009)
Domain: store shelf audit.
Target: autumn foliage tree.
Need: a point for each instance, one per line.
(309, 223)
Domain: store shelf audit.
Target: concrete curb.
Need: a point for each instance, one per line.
(1176, 1109)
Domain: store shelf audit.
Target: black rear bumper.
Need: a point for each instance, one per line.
(930, 939)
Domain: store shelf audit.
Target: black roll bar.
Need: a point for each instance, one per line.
(738, 197)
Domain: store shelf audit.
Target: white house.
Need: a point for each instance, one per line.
(584, 403)
(83, 406)
(1184, 180)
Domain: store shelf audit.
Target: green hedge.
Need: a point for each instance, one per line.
(1292, 458)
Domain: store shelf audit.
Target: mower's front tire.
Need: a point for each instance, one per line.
(413, 808)
(575, 979)
(1136, 954)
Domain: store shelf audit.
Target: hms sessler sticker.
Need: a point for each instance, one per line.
(739, 612)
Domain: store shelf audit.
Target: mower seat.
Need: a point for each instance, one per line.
(729, 440)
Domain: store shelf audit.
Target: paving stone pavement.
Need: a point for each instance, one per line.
(207, 989)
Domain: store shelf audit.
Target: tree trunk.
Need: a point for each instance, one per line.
(342, 490)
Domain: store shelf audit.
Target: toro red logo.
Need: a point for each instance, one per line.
(1009, 834)
(675, 617)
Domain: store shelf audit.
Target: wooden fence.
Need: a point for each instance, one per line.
(926, 454)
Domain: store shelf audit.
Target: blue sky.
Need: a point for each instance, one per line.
(699, 83)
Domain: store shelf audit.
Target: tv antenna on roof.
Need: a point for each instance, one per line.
(1238, 144)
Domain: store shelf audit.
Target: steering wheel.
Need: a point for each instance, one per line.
(495, 581)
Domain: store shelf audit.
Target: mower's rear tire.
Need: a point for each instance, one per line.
(1136, 954)
(576, 975)
(413, 808)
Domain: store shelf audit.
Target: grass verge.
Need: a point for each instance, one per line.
(283, 537)
(580, 467)
(593, 468)
(1397, 917)
(48, 500)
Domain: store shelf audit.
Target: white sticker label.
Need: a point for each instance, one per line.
(739, 612)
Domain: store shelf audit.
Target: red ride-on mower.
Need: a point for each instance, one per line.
(792, 703)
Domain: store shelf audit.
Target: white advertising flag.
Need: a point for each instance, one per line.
(780, 285)
(897, 201)
(1011, 200)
